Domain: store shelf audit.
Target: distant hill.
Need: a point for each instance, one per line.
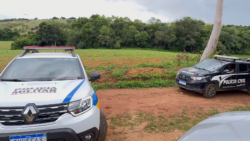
(208, 24)
(24, 26)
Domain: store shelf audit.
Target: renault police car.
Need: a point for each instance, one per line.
(212, 75)
(48, 97)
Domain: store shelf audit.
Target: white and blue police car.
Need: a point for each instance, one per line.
(48, 97)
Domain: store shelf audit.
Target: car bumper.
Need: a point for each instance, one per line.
(66, 127)
(196, 87)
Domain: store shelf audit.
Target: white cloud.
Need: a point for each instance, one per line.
(75, 8)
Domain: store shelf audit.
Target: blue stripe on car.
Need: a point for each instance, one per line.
(95, 98)
(71, 94)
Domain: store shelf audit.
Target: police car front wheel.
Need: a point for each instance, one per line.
(248, 91)
(103, 127)
(210, 91)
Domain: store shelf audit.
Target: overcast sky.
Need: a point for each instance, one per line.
(235, 11)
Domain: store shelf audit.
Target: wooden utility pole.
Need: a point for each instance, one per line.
(214, 37)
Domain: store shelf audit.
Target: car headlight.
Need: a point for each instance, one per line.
(178, 72)
(81, 106)
(197, 78)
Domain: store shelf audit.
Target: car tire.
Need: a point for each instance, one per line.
(248, 91)
(210, 91)
(103, 127)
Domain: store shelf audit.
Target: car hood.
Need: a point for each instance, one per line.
(230, 126)
(42, 93)
(192, 71)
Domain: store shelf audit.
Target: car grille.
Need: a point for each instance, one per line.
(184, 77)
(47, 114)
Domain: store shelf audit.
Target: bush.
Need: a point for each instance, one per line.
(24, 40)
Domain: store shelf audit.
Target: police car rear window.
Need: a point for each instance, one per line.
(243, 67)
(44, 69)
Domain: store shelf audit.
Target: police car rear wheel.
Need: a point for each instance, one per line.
(210, 91)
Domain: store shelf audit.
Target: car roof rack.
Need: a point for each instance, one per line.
(34, 49)
(225, 58)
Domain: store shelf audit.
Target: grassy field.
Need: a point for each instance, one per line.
(5, 45)
(124, 68)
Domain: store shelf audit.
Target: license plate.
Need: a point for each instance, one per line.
(33, 137)
(182, 82)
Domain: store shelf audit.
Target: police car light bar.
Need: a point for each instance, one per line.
(226, 57)
(233, 58)
(48, 48)
(35, 48)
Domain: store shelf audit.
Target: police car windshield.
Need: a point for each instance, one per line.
(210, 65)
(43, 69)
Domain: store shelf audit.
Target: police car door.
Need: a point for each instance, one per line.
(226, 80)
(243, 76)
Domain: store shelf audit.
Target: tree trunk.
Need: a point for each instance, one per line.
(214, 37)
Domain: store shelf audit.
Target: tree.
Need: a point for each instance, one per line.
(141, 38)
(79, 23)
(153, 20)
(151, 29)
(75, 39)
(129, 35)
(72, 18)
(164, 36)
(187, 30)
(7, 34)
(54, 18)
(51, 33)
(63, 18)
(104, 39)
(24, 40)
(212, 43)
(35, 19)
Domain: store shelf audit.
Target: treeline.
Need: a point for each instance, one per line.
(118, 32)
(7, 34)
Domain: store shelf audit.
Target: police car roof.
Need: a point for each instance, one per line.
(226, 61)
(48, 55)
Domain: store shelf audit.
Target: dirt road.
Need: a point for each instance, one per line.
(167, 101)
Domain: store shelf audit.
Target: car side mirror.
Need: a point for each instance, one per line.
(226, 72)
(94, 76)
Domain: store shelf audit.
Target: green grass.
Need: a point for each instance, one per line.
(116, 65)
(5, 45)
(157, 83)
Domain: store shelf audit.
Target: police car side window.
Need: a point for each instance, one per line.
(243, 67)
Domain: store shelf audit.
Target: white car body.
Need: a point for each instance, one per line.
(52, 94)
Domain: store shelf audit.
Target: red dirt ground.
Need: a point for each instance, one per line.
(166, 100)
(105, 77)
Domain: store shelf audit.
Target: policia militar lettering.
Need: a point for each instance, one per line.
(219, 74)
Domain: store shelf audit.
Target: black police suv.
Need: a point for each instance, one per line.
(212, 75)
